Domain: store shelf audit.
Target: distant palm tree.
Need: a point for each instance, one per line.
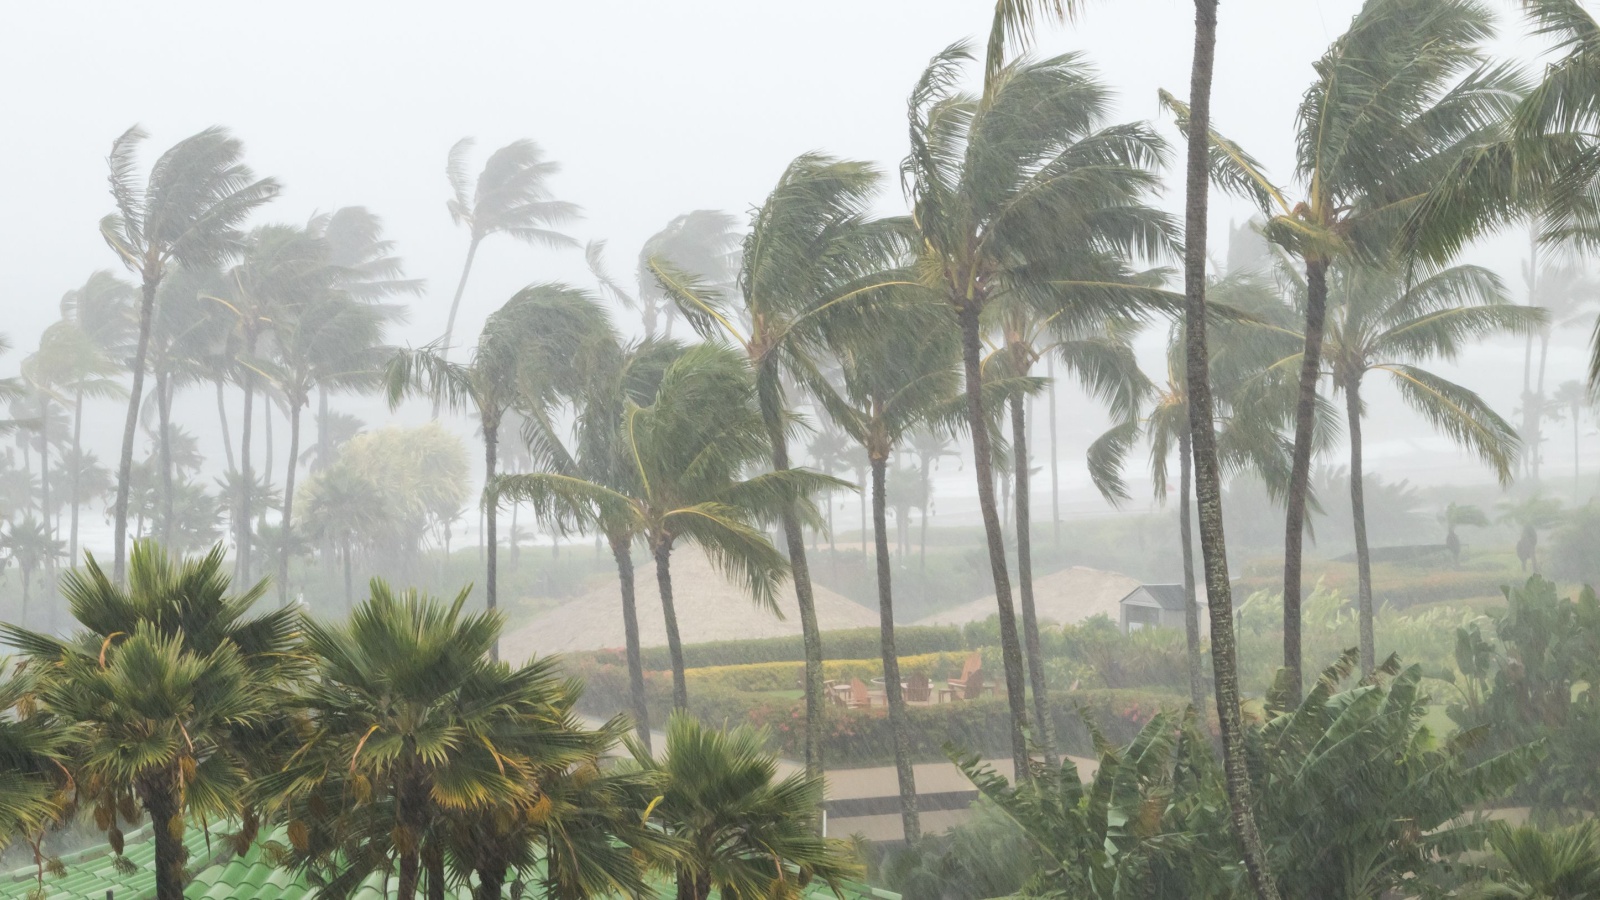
(187, 213)
(690, 448)
(897, 376)
(1564, 291)
(32, 547)
(525, 357)
(1533, 514)
(702, 241)
(1003, 210)
(510, 198)
(1574, 396)
(745, 831)
(102, 309)
(1458, 515)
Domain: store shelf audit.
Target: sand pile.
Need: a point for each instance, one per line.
(709, 609)
(1064, 597)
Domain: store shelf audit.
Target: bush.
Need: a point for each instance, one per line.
(854, 643)
(785, 676)
(1573, 546)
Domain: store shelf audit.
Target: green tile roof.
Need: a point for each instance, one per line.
(222, 876)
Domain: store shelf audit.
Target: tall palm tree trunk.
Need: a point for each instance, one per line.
(1055, 480)
(800, 574)
(77, 473)
(241, 524)
(222, 416)
(349, 587)
(1030, 617)
(159, 795)
(44, 483)
(455, 307)
(1191, 609)
(287, 526)
(433, 861)
(130, 427)
(680, 686)
(491, 509)
(1358, 511)
(164, 423)
(1305, 414)
(983, 465)
(892, 695)
(622, 552)
(1208, 478)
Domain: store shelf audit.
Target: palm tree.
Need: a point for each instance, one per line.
(34, 747)
(1023, 193)
(702, 241)
(32, 547)
(187, 213)
(1533, 513)
(1460, 515)
(897, 376)
(344, 509)
(409, 720)
(510, 198)
(1199, 157)
(102, 309)
(177, 693)
(1402, 97)
(1574, 397)
(1563, 291)
(1390, 321)
(811, 259)
(689, 448)
(745, 832)
(1534, 864)
(524, 357)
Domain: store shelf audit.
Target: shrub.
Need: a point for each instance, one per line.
(854, 643)
(783, 676)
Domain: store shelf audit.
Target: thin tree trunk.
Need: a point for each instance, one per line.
(1191, 609)
(434, 862)
(680, 686)
(1358, 511)
(983, 466)
(44, 488)
(349, 587)
(164, 414)
(898, 727)
(1208, 479)
(288, 501)
(130, 426)
(622, 552)
(1055, 481)
(800, 574)
(1538, 390)
(455, 306)
(491, 508)
(1030, 617)
(222, 416)
(922, 530)
(266, 434)
(1305, 415)
(241, 525)
(329, 555)
(160, 799)
(77, 473)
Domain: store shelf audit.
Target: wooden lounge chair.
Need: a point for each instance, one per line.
(918, 690)
(859, 698)
(958, 686)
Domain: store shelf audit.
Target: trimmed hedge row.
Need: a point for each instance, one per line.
(862, 737)
(854, 643)
(785, 676)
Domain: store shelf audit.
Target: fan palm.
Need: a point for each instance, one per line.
(1400, 100)
(525, 356)
(1460, 515)
(811, 258)
(176, 692)
(187, 213)
(898, 376)
(1530, 864)
(510, 198)
(1023, 193)
(745, 832)
(34, 747)
(689, 449)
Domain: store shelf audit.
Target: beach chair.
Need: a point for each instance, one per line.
(958, 686)
(859, 698)
(918, 690)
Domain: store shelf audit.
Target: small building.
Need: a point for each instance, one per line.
(1152, 606)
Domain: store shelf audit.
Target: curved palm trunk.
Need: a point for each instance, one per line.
(77, 473)
(222, 416)
(130, 427)
(983, 465)
(164, 412)
(455, 306)
(1191, 610)
(1030, 617)
(1358, 510)
(909, 820)
(241, 525)
(288, 501)
(1305, 413)
(44, 488)
(622, 552)
(1055, 481)
(159, 794)
(800, 574)
(491, 508)
(1208, 478)
(680, 686)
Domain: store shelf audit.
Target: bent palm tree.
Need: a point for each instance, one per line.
(1003, 185)
(510, 198)
(102, 309)
(187, 213)
(1457, 515)
(689, 448)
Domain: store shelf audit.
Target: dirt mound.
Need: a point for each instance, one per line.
(1064, 597)
(709, 609)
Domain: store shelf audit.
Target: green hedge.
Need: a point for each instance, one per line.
(861, 737)
(855, 643)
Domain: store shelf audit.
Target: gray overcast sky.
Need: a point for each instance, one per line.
(653, 108)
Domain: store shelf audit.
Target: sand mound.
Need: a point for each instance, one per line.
(709, 609)
(1064, 597)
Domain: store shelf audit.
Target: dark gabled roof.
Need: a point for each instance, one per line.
(1168, 596)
